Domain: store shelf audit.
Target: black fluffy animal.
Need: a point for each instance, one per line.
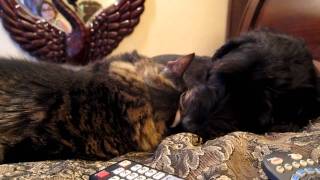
(259, 82)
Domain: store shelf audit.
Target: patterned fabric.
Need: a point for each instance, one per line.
(237, 155)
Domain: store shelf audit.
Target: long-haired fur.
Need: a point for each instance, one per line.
(99, 111)
(259, 82)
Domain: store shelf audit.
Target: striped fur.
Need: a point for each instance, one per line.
(101, 111)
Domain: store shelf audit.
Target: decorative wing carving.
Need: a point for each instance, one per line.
(109, 27)
(85, 43)
(34, 34)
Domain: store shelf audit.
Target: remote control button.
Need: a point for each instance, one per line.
(159, 175)
(115, 178)
(295, 156)
(310, 171)
(143, 170)
(303, 163)
(280, 169)
(310, 162)
(118, 170)
(276, 160)
(132, 176)
(136, 167)
(288, 167)
(140, 178)
(125, 163)
(102, 174)
(301, 172)
(151, 172)
(317, 170)
(295, 177)
(295, 164)
(170, 177)
(125, 173)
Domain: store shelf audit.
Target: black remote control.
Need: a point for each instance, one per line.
(290, 166)
(131, 170)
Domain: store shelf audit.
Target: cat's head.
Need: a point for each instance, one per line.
(165, 78)
(165, 84)
(194, 107)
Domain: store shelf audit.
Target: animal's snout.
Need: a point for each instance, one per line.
(188, 124)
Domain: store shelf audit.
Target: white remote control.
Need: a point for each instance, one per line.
(131, 170)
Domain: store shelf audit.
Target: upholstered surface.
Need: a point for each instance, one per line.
(234, 156)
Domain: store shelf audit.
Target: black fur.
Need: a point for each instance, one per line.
(259, 82)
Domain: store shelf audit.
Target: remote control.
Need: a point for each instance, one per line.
(131, 170)
(290, 166)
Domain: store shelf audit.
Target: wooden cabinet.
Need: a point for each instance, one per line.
(300, 18)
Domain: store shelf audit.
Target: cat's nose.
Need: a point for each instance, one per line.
(188, 123)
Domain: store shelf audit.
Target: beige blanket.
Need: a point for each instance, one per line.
(237, 155)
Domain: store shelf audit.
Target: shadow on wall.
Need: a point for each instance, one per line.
(179, 26)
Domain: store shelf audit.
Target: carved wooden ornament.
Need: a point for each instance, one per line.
(86, 42)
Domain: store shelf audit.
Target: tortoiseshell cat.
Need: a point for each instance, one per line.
(261, 81)
(103, 110)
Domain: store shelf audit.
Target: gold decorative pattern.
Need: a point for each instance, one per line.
(186, 156)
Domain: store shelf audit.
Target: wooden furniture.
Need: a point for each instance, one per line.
(295, 17)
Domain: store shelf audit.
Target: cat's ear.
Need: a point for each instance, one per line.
(179, 66)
